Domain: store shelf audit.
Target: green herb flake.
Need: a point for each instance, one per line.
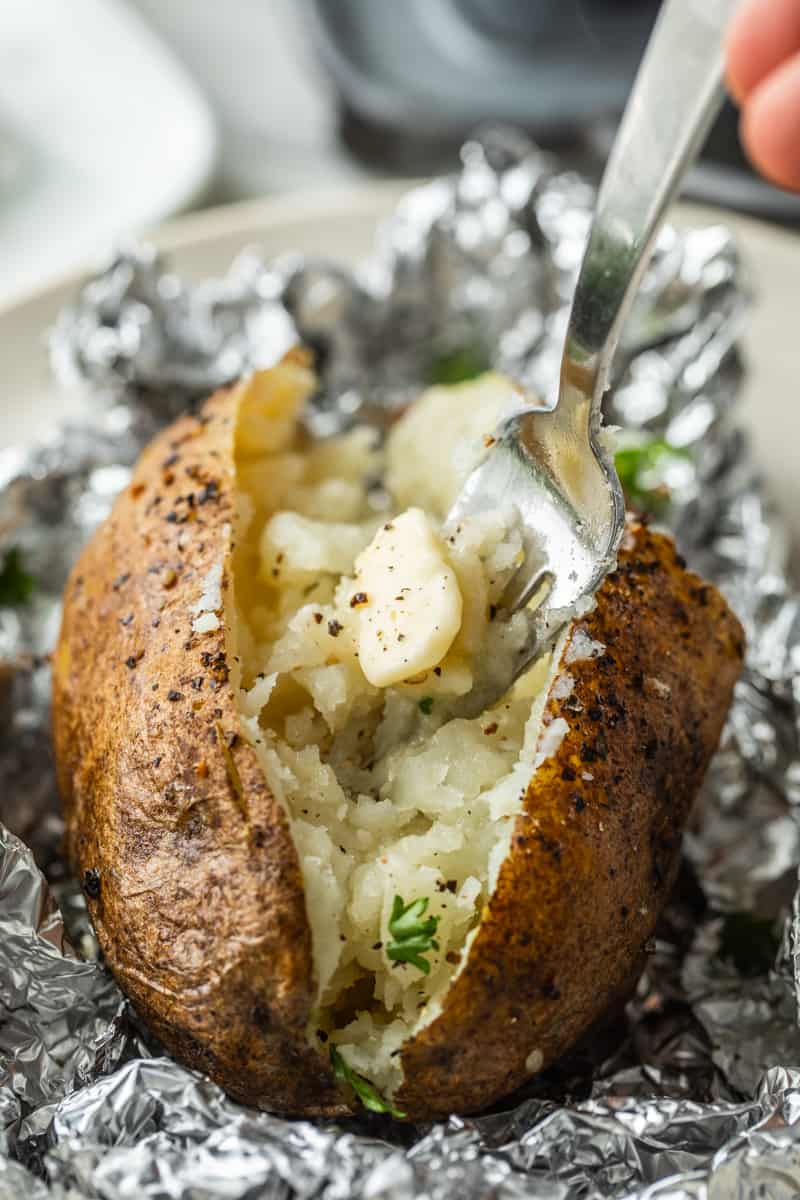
(642, 472)
(412, 937)
(458, 366)
(16, 585)
(367, 1093)
(426, 705)
(751, 943)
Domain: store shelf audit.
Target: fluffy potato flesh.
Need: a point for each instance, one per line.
(361, 627)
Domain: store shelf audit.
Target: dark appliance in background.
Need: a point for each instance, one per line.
(414, 77)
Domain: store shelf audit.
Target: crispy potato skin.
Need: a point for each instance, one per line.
(200, 911)
(597, 846)
(188, 863)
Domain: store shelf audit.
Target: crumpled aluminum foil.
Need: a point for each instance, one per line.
(695, 1090)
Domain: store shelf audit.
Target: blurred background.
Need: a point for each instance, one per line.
(115, 114)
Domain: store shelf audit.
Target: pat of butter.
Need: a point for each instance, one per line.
(407, 599)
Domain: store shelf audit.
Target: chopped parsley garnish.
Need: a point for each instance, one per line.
(412, 937)
(751, 943)
(367, 1093)
(643, 470)
(457, 366)
(16, 585)
(426, 705)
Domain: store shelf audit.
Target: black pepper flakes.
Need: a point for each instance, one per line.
(335, 627)
(359, 599)
(216, 663)
(172, 694)
(550, 845)
(209, 492)
(91, 883)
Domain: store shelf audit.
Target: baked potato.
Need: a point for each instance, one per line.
(317, 881)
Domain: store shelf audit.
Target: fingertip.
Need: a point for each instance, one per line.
(738, 57)
(770, 126)
(762, 35)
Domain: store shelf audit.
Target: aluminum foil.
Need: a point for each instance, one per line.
(695, 1090)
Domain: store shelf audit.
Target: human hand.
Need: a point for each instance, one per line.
(763, 76)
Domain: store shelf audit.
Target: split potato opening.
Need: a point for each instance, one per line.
(356, 625)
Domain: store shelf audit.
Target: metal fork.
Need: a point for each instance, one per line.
(552, 464)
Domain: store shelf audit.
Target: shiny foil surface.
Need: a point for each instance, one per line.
(693, 1091)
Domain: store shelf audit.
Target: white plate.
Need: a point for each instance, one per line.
(101, 131)
(341, 225)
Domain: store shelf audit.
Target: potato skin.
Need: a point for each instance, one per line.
(189, 868)
(195, 891)
(597, 847)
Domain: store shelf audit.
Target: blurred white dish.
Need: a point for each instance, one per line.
(101, 131)
(341, 225)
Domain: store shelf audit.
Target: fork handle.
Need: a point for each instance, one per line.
(676, 95)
